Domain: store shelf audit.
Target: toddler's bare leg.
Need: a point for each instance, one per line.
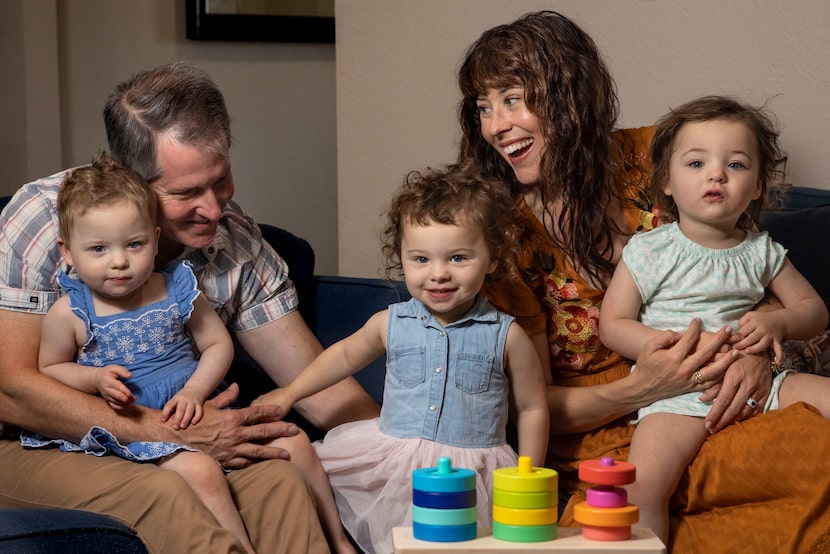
(305, 459)
(661, 448)
(806, 387)
(207, 480)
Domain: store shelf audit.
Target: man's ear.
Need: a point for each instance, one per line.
(64, 248)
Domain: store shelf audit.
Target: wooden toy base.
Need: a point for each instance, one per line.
(569, 540)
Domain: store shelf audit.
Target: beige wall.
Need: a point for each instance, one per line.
(305, 161)
(396, 91)
(281, 98)
(29, 98)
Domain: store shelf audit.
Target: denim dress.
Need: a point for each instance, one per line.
(445, 394)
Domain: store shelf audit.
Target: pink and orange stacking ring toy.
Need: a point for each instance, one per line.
(606, 515)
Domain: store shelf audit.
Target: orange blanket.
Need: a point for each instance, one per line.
(760, 486)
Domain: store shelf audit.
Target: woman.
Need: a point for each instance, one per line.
(538, 112)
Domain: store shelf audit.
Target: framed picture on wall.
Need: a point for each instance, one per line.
(261, 20)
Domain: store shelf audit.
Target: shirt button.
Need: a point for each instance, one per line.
(441, 333)
(437, 370)
(432, 408)
(211, 250)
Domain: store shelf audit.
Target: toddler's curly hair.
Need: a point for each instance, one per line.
(450, 196)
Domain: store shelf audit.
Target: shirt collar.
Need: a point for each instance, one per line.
(200, 257)
(481, 311)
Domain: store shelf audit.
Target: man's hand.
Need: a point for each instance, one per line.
(235, 437)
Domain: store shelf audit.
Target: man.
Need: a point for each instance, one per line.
(171, 125)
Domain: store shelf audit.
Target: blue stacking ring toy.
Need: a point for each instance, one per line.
(444, 503)
(444, 533)
(444, 478)
(439, 516)
(445, 500)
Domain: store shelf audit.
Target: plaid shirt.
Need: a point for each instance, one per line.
(239, 273)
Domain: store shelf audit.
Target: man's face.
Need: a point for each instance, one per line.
(194, 187)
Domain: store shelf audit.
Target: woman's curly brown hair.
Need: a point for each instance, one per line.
(568, 87)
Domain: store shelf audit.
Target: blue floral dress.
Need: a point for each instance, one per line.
(151, 342)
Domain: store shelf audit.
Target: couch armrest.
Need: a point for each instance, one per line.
(65, 531)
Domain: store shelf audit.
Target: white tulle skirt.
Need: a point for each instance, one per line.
(371, 475)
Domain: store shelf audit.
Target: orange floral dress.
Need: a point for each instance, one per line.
(753, 487)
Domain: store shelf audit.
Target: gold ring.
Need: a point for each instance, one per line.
(697, 377)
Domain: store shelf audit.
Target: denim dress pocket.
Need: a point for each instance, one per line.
(408, 365)
(473, 372)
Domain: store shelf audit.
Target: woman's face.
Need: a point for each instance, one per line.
(508, 125)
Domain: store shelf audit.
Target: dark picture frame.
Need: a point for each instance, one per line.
(202, 25)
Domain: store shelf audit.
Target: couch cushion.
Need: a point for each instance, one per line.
(342, 305)
(805, 234)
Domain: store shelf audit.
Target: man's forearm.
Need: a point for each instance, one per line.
(36, 402)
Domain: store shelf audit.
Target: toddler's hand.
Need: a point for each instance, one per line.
(276, 397)
(761, 331)
(109, 385)
(185, 408)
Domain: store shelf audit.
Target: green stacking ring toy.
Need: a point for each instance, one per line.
(525, 503)
(524, 533)
(529, 500)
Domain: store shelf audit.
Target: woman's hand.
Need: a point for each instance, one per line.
(678, 363)
(748, 377)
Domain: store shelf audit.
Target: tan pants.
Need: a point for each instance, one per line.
(272, 497)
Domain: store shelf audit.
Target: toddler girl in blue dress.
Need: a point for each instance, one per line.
(122, 330)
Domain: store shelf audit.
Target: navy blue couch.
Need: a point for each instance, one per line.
(337, 306)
